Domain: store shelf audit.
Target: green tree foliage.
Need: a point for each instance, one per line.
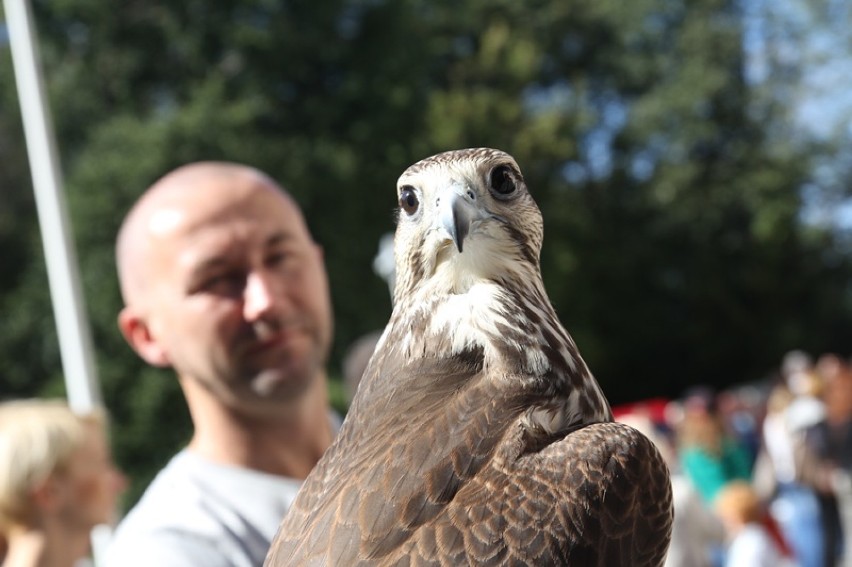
(674, 250)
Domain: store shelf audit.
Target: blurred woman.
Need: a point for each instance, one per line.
(57, 481)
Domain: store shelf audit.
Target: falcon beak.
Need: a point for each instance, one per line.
(457, 210)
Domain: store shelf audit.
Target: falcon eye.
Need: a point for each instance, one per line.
(408, 200)
(502, 181)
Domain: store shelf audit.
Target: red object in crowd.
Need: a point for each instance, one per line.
(775, 533)
(654, 408)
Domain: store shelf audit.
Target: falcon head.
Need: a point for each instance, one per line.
(467, 248)
(465, 216)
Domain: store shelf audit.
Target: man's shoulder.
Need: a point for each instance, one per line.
(171, 506)
(194, 504)
(174, 497)
(166, 547)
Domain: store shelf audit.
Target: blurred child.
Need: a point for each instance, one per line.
(57, 482)
(752, 544)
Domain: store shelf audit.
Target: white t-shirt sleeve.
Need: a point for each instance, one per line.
(165, 549)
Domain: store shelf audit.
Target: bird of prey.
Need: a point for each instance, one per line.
(477, 436)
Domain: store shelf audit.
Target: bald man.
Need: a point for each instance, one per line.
(223, 283)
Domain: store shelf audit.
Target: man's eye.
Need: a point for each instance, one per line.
(284, 263)
(223, 284)
(277, 258)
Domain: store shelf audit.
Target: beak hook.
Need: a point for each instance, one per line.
(457, 213)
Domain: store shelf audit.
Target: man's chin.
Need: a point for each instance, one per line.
(280, 385)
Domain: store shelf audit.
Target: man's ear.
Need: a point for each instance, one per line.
(138, 335)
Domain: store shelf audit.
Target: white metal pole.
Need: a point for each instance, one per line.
(75, 340)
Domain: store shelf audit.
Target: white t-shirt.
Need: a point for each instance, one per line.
(200, 513)
(753, 547)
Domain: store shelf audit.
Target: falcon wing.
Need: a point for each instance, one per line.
(598, 497)
(379, 485)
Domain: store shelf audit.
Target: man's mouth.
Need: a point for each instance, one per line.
(270, 342)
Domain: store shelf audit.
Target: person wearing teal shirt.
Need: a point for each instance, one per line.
(710, 468)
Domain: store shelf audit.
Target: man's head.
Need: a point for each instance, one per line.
(223, 282)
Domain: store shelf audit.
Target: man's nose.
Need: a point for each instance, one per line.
(260, 296)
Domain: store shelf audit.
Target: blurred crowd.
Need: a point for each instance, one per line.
(761, 473)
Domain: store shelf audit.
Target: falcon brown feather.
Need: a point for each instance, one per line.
(478, 436)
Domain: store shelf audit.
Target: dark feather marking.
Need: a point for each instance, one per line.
(529, 255)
